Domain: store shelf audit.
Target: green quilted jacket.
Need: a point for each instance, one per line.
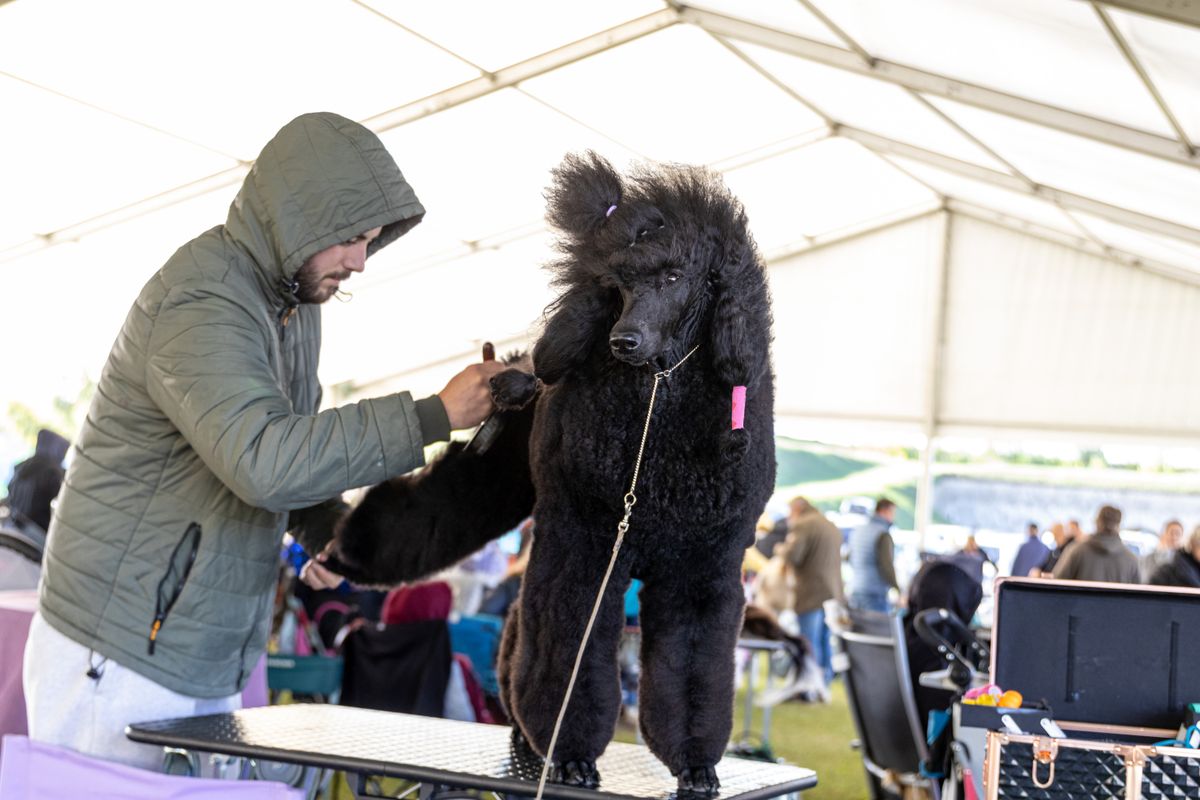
(204, 432)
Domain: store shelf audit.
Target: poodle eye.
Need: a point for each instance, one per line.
(673, 276)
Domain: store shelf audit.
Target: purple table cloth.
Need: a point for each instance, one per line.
(16, 611)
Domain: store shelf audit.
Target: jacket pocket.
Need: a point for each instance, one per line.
(183, 557)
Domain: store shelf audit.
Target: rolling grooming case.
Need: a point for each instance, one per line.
(1117, 665)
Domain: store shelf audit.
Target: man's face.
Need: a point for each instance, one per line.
(1172, 537)
(322, 274)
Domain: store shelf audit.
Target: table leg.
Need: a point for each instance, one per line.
(748, 720)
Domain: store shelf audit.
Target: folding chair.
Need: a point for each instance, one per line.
(880, 696)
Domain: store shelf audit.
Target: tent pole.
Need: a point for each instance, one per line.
(937, 340)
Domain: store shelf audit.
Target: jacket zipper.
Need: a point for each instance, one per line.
(161, 609)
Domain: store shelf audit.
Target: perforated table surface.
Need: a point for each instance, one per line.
(457, 754)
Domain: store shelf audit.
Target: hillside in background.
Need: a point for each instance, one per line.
(1000, 494)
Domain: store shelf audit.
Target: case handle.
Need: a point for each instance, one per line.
(1044, 752)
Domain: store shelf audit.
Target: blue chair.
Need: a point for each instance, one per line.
(478, 638)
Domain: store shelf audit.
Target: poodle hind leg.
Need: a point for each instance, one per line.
(504, 660)
(686, 691)
(556, 600)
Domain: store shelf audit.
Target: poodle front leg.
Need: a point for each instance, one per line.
(557, 595)
(686, 691)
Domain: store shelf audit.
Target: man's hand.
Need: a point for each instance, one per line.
(468, 395)
(317, 576)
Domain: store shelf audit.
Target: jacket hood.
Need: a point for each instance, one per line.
(52, 446)
(322, 179)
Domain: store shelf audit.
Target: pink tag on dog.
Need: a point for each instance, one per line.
(739, 406)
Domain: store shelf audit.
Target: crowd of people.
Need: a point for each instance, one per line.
(803, 560)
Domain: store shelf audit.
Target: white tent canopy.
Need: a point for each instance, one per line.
(981, 215)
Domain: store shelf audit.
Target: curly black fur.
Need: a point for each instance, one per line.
(412, 526)
(671, 268)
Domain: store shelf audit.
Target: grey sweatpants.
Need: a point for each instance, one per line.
(67, 708)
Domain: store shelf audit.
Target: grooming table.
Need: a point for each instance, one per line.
(441, 753)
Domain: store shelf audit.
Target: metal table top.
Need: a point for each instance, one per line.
(460, 754)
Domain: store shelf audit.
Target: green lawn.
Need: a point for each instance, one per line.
(795, 465)
(816, 736)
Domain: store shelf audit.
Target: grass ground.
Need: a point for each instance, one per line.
(816, 736)
(800, 465)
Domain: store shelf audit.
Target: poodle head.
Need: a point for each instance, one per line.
(667, 252)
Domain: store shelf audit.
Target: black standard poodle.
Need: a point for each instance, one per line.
(657, 272)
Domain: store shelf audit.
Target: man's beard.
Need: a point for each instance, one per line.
(310, 289)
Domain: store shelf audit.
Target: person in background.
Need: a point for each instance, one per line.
(35, 483)
(768, 538)
(1183, 569)
(872, 560)
(1062, 541)
(1169, 542)
(1031, 554)
(971, 558)
(500, 598)
(814, 551)
(1102, 556)
(25, 512)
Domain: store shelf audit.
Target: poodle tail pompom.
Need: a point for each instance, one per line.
(585, 191)
(734, 444)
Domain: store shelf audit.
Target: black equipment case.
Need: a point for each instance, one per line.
(1117, 666)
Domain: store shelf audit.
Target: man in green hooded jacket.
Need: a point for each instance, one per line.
(204, 437)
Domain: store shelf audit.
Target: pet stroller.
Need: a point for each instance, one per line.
(954, 754)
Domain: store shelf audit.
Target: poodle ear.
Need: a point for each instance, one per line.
(584, 192)
(740, 330)
(579, 321)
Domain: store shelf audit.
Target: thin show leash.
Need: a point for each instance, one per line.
(622, 527)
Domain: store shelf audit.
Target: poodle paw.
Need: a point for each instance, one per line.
(521, 745)
(576, 773)
(512, 389)
(698, 782)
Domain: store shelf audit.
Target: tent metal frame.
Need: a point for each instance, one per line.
(853, 58)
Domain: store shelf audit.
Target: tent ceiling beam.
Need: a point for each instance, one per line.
(918, 80)
(524, 70)
(1184, 12)
(1084, 243)
(179, 194)
(1136, 64)
(1175, 437)
(837, 31)
(1117, 214)
(865, 228)
(456, 95)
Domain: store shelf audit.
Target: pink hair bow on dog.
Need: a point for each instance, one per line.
(739, 407)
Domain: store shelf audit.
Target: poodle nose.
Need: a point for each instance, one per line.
(626, 342)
